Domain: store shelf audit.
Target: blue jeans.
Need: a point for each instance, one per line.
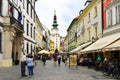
(30, 70)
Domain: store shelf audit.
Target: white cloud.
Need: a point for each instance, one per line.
(66, 10)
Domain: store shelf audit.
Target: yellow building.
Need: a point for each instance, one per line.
(87, 27)
(108, 45)
(39, 35)
(89, 23)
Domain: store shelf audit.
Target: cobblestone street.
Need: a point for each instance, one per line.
(53, 72)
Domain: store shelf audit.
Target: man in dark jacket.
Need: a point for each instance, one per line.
(44, 58)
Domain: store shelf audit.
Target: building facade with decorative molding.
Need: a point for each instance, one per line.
(39, 35)
(17, 26)
(66, 43)
(29, 18)
(72, 35)
(90, 24)
(108, 45)
(88, 27)
(46, 38)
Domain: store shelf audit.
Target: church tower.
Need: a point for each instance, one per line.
(55, 37)
(55, 21)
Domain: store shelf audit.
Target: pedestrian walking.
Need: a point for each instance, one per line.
(65, 58)
(30, 65)
(44, 58)
(55, 58)
(23, 65)
(59, 59)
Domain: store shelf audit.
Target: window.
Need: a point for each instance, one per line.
(31, 30)
(118, 13)
(96, 31)
(27, 27)
(27, 48)
(34, 33)
(109, 18)
(0, 42)
(0, 7)
(27, 7)
(34, 16)
(89, 33)
(88, 17)
(95, 11)
(31, 11)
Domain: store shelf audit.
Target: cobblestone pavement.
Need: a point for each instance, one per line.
(53, 72)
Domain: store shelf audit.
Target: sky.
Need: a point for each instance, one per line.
(66, 11)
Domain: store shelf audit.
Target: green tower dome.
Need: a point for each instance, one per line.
(55, 21)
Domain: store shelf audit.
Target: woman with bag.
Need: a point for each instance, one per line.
(30, 65)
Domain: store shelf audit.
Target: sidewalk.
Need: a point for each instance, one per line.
(53, 72)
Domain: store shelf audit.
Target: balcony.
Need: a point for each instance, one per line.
(17, 23)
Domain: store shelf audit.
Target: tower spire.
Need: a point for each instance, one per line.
(55, 21)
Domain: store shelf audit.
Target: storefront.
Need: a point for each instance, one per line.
(79, 48)
(104, 45)
(114, 49)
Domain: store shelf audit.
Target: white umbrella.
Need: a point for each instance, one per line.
(43, 51)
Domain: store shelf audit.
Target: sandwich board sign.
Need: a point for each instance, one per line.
(72, 60)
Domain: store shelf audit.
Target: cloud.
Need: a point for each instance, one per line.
(66, 10)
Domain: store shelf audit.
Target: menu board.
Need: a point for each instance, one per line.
(72, 60)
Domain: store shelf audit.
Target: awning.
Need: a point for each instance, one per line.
(114, 46)
(101, 43)
(80, 47)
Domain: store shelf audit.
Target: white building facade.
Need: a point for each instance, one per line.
(17, 30)
(29, 15)
(56, 38)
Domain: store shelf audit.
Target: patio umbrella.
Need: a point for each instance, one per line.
(44, 51)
